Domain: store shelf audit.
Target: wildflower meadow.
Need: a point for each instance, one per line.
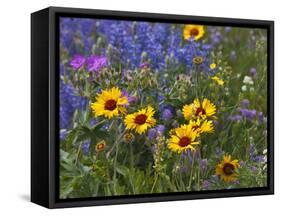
(160, 107)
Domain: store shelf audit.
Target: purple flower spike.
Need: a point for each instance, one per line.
(206, 184)
(167, 114)
(152, 133)
(253, 71)
(86, 146)
(259, 158)
(203, 164)
(160, 129)
(248, 114)
(77, 62)
(63, 134)
(260, 117)
(245, 103)
(96, 63)
(236, 118)
(183, 169)
(131, 99)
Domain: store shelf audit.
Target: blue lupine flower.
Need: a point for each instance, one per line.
(92, 122)
(167, 114)
(248, 114)
(253, 71)
(160, 129)
(206, 184)
(157, 131)
(152, 133)
(69, 102)
(259, 158)
(203, 164)
(86, 146)
(261, 118)
(63, 134)
(236, 118)
(245, 103)
(131, 99)
(158, 45)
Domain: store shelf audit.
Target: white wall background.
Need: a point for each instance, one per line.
(15, 106)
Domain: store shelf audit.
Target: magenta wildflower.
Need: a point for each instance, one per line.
(96, 63)
(77, 62)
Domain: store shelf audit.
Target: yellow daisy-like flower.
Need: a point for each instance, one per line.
(193, 31)
(200, 126)
(218, 80)
(227, 169)
(183, 139)
(213, 66)
(141, 120)
(199, 110)
(109, 103)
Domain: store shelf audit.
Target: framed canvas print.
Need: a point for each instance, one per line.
(138, 107)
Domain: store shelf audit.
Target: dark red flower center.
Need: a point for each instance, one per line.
(194, 32)
(199, 111)
(110, 104)
(140, 119)
(184, 141)
(228, 169)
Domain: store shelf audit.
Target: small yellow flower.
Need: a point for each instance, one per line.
(193, 31)
(198, 60)
(227, 169)
(100, 146)
(109, 103)
(141, 120)
(218, 80)
(202, 126)
(213, 66)
(199, 110)
(183, 138)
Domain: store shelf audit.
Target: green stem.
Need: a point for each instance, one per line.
(154, 183)
(116, 156)
(115, 144)
(198, 169)
(191, 173)
(131, 156)
(78, 153)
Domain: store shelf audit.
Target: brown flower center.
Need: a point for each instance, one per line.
(198, 60)
(194, 32)
(110, 104)
(140, 119)
(228, 169)
(199, 111)
(184, 141)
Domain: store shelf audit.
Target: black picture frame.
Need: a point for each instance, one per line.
(45, 115)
